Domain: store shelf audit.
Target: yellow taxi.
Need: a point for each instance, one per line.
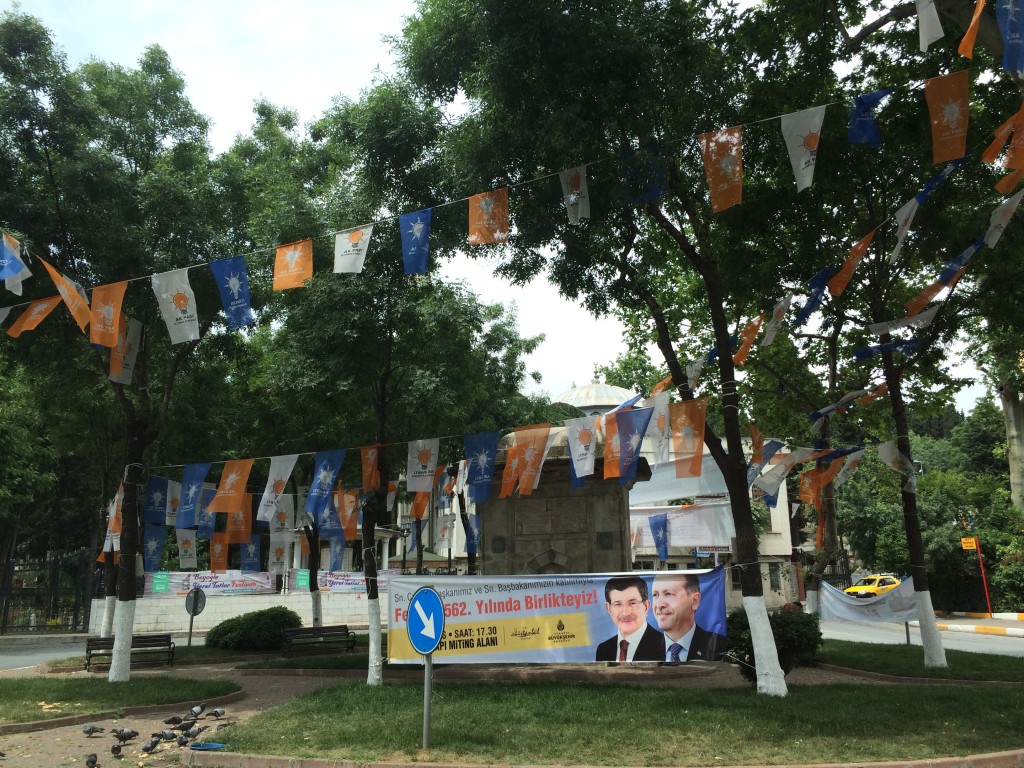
(873, 585)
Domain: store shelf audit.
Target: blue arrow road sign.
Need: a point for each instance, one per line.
(426, 620)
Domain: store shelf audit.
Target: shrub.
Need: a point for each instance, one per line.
(797, 638)
(256, 631)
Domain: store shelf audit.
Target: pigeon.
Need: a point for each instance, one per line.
(89, 730)
(115, 750)
(216, 713)
(124, 734)
(90, 761)
(197, 710)
(194, 732)
(184, 726)
(175, 720)
(183, 741)
(164, 735)
(150, 745)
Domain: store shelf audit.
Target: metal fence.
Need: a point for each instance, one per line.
(46, 594)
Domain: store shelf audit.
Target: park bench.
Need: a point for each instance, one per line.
(145, 646)
(336, 637)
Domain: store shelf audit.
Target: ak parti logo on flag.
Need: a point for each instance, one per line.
(293, 264)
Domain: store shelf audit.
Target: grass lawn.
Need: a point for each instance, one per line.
(908, 661)
(23, 699)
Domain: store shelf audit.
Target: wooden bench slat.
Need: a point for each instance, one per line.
(141, 644)
(329, 638)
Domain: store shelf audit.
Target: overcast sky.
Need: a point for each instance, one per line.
(301, 55)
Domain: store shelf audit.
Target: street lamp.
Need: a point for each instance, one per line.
(406, 529)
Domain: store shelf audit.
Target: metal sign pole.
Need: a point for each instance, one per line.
(428, 679)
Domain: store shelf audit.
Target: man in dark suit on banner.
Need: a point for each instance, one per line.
(626, 602)
(676, 597)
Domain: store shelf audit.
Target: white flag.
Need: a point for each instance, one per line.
(581, 439)
(188, 559)
(928, 25)
(693, 369)
(920, 320)
(802, 132)
(461, 477)
(421, 464)
(775, 322)
(659, 429)
(848, 468)
(172, 503)
(177, 305)
(283, 519)
(4, 313)
(574, 193)
(350, 248)
(818, 417)
(898, 462)
(770, 481)
(446, 531)
(904, 220)
(277, 558)
(13, 283)
(280, 470)
(1000, 218)
(129, 338)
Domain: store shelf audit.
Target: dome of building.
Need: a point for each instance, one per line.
(595, 398)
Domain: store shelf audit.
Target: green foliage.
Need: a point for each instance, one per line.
(255, 631)
(797, 638)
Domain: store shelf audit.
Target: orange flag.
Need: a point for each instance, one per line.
(687, 419)
(612, 449)
(757, 442)
(948, 106)
(747, 340)
(114, 518)
(841, 279)
(883, 389)
(722, 152)
(371, 475)
(966, 48)
(419, 505)
(239, 527)
(219, 553)
(348, 512)
(231, 489)
(923, 299)
(513, 469)
(488, 217)
(73, 296)
(106, 313)
(293, 265)
(662, 386)
(1014, 127)
(35, 314)
(534, 439)
(1009, 182)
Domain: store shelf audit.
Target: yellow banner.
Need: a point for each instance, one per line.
(536, 633)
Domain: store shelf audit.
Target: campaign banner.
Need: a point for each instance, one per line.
(176, 583)
(339, 581)
(898, 604)
(647, 616)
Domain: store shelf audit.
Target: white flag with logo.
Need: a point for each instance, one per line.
(802, 132)
(446, 532)
(283, 519)
(904, 221)
(173, 502)
(574, 193)
(124, 355)
(928, 25)
(659, 428)
(1000, 218)
(891, 455)
(280, 470)
(422, 462)
(581, 438)
(177, 304)
(776, 320)
(920, 320)
(848, 468)
(188, 559)
(277, 557)
(350, 248)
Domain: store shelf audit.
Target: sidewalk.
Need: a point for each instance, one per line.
(1000, 624)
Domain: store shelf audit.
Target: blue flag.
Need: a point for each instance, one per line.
(414, 535)
(645, 174)
(206, 520)
(152, 546)
(862, 128)
(950, 270)
(632, 428)
(10, 257)
(473, 533)
(575, 483)
(817, 284)
(1011, 28)
(251, 556)
(481, 449)
(659, 530)
(191, 492)
(935, 180)
(328, 525)
(326, 467)
(155, 510)
(415, 229)
(337, 547)
(906, 347)
(233, 282)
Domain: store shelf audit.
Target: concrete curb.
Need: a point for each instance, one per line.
(977, 628)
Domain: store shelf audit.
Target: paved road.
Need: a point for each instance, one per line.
(31, 654)
(897, 633)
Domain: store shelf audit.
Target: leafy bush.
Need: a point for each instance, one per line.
(256, 631)
(797, 638)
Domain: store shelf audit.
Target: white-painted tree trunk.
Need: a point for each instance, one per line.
(317, 608)
(931, 639)
(811, 603)
(109, 608)
(375, 669)
(121, 662)
(770, 678)
(1013, 420)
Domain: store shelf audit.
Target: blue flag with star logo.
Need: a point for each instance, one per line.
(862, 128)
(326, 467)
(251, 556)
(155, 510)
(659, 530)
(233, 282)
(191, 492)
(1011, 29)
(632, 426)
(206, 521)
(473, 533)
(415, 228)
(481, 449)
(152, 547)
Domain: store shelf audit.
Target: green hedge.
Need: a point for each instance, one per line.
(797, 638)
(256, 631)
